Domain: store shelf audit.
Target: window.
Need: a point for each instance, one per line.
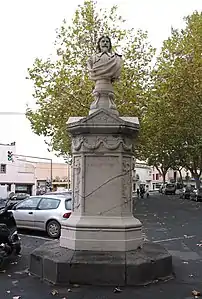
(3, 168)
(68, 204)
(157, 176)
(29, 204)
(153, 177)
(49, 204)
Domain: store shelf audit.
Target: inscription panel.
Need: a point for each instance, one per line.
(102, 185)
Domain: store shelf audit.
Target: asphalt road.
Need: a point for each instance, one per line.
(173, 222)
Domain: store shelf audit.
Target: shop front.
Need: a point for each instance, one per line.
(24, 188)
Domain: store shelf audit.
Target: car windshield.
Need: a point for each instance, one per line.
(68, 204)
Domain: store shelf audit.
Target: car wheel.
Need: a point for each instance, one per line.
(53, 229)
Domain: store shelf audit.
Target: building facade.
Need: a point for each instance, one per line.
(142, 175)
(61, 176)
(15, 175)
(19, 175)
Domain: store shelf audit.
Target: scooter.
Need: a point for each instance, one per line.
(9, 239)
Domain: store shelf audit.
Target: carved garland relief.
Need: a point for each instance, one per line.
(109, 143)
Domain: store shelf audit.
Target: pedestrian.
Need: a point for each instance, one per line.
(147, 191)
(138, 192)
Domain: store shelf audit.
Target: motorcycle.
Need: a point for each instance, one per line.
(9, 240)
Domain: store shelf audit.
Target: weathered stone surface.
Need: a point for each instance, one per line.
(102, 213)
(147, 264)
(65, 266)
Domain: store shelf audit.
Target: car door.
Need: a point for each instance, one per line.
(24, 212)
(47, 209)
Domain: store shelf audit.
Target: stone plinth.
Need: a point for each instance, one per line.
(101, 243)
(137, 267)
(102, 217)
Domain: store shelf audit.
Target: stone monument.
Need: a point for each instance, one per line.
(102, 242)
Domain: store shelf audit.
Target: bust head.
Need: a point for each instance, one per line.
(104, 44)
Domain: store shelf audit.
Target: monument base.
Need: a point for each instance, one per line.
(99, 233)
(64, 266)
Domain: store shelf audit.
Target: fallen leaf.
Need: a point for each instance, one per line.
(54, 292)
(15, 282)
(191, 275)
(14, 263)
(9, 275)
(117, 290)
(17, 297)
(8, 292)
(185, 262)
(196, 293)
(69, 290)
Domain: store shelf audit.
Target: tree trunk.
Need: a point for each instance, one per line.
(180, 173)
(164, 176)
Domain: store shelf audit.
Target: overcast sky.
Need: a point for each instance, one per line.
(27, 30)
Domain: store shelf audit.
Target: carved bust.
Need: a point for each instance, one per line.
(104, 64)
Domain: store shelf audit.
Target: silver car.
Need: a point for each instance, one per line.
(43, 213)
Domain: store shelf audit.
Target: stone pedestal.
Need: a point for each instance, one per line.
(101, 243)
(102, 218)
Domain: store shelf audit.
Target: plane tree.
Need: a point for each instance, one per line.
(61, 84)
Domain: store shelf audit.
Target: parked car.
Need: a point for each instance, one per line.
(63, 192)
(170, 189)
(179, 192)
(19, 196)
(43, 213)
(196, 194)
(186, 192)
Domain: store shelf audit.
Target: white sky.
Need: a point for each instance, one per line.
(27, 30)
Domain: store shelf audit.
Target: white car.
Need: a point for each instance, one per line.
(43, 213)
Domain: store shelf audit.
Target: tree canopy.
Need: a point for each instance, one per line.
(61, 85)
(172, 127)
(166, 96)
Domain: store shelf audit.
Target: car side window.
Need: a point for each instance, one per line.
(68, 204)
(29, 204)
(49, 204)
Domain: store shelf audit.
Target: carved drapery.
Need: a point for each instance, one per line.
(93, 143)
